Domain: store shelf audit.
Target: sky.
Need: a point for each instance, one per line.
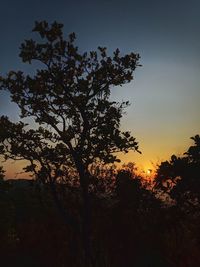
(165, 93)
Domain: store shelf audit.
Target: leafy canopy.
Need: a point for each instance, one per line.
(68, 97)
(180, 175)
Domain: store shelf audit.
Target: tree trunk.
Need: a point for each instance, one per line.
(86, 226)
(84, 182)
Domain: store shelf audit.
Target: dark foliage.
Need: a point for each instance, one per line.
(80, 211)
(78, 124)
(124, 233)
(180, 177)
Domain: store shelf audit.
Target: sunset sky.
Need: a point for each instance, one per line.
(165, 94)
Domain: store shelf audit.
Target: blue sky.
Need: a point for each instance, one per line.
(165, 94)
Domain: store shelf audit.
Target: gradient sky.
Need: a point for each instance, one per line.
(165, 94)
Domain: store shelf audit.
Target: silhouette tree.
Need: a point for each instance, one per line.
(180, 176)
(132, 192)
(68, 99)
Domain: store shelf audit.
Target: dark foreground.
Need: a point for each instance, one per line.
(130, 228)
